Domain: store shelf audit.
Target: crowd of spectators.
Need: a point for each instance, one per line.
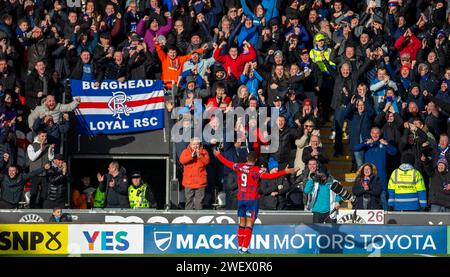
(377, 69)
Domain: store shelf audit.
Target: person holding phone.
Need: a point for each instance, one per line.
(391, 103)
(379, 86)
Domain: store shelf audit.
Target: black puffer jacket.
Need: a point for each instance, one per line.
(287, 136)
(12, 189)
(117, 196)
(56, 185)
(438, 195)
(279, 201)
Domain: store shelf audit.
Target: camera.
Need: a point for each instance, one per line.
(337, 188)
(318, 177)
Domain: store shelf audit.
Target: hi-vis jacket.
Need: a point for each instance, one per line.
(139, 196)
(407, 189)
(315, 56)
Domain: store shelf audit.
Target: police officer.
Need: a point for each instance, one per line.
(139, 192)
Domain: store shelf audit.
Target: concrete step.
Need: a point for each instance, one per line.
(347, 185)
(340, 159)
(330, 151)
(345, 177)
(327, 140)
(340, 165)
(326, 125)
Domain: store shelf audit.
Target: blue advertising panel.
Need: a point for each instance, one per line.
(297, 239)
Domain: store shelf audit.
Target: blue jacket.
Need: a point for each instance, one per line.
(303, 37)
(252, 84)
(322, 203)
(375, 153)
(248, 34)
(270, 6)
(248, 13)
(359, 124)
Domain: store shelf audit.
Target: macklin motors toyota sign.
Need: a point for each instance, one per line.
(297, 239)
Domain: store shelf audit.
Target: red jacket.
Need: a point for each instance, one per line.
(411, 46)
(194, 174)
(236, 65)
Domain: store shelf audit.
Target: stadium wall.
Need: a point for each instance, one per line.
(152, 216)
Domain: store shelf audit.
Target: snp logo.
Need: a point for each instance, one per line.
(162, 240)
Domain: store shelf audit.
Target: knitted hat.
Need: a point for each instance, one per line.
(393, 3)
(443, 161)
(272, 164)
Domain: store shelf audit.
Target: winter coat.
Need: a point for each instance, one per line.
(411, 46)
(322, 157)
(236, 65)
(391, 131)
(77, 71)
(437, 194)
(117, 196)
(373, 194)
(279, 201)
(171, 69)
(56, 113)
(350, 82)
(55, 188)
(234, 155)
(301, 143)
(195, 175)
(12, 189)
(149, 35)
(375, 153)
(359, 124)
(40, 50)
(287, 137)
(33, 85)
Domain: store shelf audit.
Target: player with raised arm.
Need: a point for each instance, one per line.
(248, 178)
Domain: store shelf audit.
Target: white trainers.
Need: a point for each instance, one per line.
(333, 135)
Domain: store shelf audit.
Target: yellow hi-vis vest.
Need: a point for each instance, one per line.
(407, 190)
(315, 56)
(137, 196)
(409, 181)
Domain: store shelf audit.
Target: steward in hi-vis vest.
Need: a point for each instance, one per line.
(406, 188)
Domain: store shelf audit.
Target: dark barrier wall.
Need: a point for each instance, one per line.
(146, 143)
(203, 217)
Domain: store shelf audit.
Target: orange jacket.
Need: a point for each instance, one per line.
(79, 201)
(171, 69)
(194, 175)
